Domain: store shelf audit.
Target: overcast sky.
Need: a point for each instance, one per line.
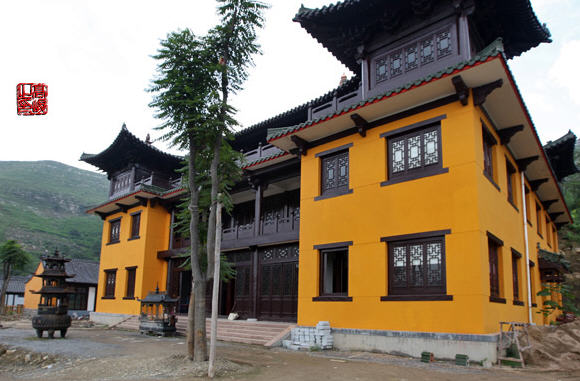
(95, 57)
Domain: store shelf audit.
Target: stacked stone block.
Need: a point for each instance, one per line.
(310, 337)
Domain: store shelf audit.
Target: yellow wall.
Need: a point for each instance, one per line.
(462, 200)
(142, 252)
(34, 284)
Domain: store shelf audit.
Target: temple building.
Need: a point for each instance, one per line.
(413, 207)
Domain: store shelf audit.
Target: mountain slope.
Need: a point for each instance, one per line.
(42, 206)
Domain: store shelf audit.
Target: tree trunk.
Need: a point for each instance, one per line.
(196, 275)
(199, 337)
(6, 271)
(211, 223)
(190, 325)
(215, 293)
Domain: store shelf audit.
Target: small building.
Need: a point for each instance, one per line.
(84, 282)
(15, 290)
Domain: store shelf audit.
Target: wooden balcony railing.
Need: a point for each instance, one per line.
(267, 227)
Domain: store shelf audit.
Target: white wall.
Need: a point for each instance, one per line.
(91, 299)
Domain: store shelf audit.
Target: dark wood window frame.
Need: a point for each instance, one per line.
(323, 251)
(135, 225)
(494, 246)
(528, 207)
(424, 293)
(511, 184)
(334, 155)
(516, 256)
(130, 282)
(110, 282)
(489, 141)
(114, 231)
(539, 219)
(548, 238)
(402, 135)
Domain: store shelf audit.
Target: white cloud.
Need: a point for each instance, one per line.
(564, 71)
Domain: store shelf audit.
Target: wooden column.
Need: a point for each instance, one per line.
(258, 209)
(255, 272)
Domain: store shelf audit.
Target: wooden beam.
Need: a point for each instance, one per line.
(360, 123)
(535, 184)
(506, 134)
(142, 200)
(461, 89)
(524, 162)
(301, 144)
(124, 208)
(549, 203)
(553, 216)
(102, 215)
(480, 93)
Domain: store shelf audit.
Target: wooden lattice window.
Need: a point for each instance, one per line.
(548, 238)
(515, 274)
(417, 267)
(539, 218)
(114, 230)
(131, 273)
(413, 153)
(334, 272)
(488, 142)
(510, 171)
(135, 225)
(494, 245)
(110, 279)
(335, 174)
(528, 208)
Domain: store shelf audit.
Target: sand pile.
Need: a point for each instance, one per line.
(555, 347)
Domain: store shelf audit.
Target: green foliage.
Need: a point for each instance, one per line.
(227, 270)
(43, 205)
(13, 257)
(568, 299)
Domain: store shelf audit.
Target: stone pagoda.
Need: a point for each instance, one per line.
(53, 307)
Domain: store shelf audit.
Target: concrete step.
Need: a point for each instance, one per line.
(242, 331)
(239, 331)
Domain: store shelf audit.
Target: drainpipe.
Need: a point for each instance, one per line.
(527, 263)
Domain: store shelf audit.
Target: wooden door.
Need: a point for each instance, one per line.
(278, 283)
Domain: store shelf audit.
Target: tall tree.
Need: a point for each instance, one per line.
(12, 257)
(196, 78)
(186, 99)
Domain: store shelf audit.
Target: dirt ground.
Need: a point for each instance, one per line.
(101, 354)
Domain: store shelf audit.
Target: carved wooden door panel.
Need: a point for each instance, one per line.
(278, 283)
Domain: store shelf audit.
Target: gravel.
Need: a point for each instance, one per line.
(74, 345)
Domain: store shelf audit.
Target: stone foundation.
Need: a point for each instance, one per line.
(107, 318)
(442, 345)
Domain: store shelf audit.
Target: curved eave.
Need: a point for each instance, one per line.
(505, 105)
(127, 149)
(266, 162)
(133, 199)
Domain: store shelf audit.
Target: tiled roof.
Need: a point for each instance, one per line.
(341, 27)
(126, 148)
(492, 50)
(300, 112)
(16, 284)
(84, 271)
(263, 159)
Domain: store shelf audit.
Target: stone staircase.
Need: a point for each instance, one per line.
(238, 331)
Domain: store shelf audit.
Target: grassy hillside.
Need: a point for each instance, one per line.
(42, 206)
